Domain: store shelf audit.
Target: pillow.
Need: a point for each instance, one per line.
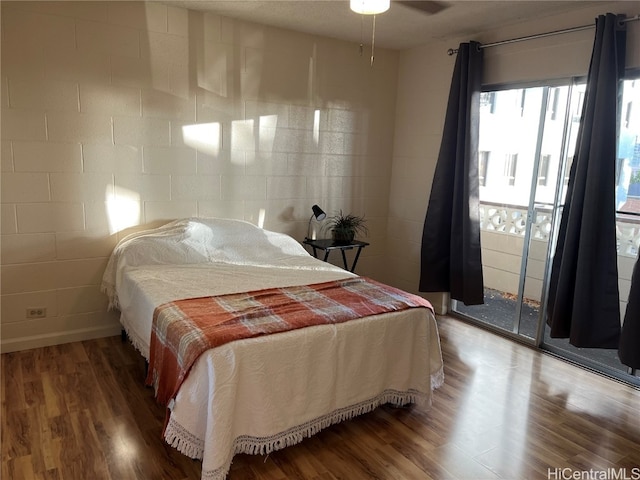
(199, 241)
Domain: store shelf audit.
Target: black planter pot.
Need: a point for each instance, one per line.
(343, 236)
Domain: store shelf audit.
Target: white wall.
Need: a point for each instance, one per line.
(123, 115)
(424, 78)
(423, 86)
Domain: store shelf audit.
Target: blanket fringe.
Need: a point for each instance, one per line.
(109, 290)
(184, 441)
(179, 438)
(266, 445)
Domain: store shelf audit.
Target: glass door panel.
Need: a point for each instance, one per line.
(556, 144)
(534, 272)
(511, 122)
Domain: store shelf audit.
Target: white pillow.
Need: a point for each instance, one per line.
(199, 241)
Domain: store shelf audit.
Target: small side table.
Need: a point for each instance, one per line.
(328, 245)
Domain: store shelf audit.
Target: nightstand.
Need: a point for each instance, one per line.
(328, 245)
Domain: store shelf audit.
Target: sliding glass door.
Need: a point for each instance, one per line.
(627, 231)
(527, 142)
(526, 137)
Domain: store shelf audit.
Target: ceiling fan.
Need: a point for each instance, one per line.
(374, 7)
(427, 6)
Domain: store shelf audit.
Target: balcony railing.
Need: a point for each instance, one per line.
(511, 219)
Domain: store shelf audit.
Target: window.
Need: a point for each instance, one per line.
(523, 95)
(628, 161)
(555, 99)
(510, 166)
(483, 164)
(577, 112)
(567, 170)
(516, 144)
(488, 101)
(543, 170)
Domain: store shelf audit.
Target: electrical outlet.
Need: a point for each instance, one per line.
(36, 312)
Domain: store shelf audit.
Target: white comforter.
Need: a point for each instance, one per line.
(262, 394)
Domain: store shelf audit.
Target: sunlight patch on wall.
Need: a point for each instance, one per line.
(312, 75)
(212, 67)
(242, 138)
(261, 216)
(316, 126)
(204, 137)
(123, 209)
(267, 133)
(254, 136)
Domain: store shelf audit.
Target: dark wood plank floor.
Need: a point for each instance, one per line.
(79, 411)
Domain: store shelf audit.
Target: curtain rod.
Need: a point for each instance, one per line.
(453, 51)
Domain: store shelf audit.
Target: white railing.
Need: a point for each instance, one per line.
(628, 235)
(511, 219)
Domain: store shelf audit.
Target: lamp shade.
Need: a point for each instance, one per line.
(318, 213)
(369, 7)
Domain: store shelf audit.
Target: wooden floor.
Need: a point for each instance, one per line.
(79, 411)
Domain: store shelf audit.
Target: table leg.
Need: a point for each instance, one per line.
(355, 260)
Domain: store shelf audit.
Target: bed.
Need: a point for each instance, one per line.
(259, 394)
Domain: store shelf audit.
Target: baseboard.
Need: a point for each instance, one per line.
(58, 338)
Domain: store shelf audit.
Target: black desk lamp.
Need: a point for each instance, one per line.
(319, 214)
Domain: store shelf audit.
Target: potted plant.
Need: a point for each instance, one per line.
(344, 228)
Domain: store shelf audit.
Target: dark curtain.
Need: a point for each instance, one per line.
(629, 351)
(583, 303)
(450, 256)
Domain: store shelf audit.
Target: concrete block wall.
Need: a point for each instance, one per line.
(118, 116)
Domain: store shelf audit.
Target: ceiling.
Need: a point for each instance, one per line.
(400, 27)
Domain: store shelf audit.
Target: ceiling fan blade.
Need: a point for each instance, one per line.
(426, 6)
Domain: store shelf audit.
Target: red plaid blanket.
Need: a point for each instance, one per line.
(184, 329)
